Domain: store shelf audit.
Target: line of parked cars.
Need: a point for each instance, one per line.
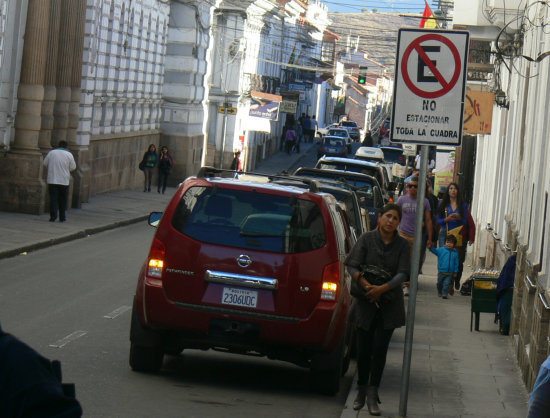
(253, 264)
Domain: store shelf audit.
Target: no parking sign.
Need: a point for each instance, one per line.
(429, 88)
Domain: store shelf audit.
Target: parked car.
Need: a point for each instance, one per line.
(352, 129)
(366, 167)
(369, 154)
(332, 146)
(375, 155)
(394, 155)
(342, 133)
(321, 132)
(250, 267)
(367, 187)
(358, 217)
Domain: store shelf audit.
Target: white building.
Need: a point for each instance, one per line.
(512, 176)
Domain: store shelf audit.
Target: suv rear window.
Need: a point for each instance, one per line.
(252, 220)
(350, 124)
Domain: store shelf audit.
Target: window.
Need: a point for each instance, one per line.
(252, 220)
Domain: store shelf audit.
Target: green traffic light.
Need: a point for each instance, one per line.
(362, 80)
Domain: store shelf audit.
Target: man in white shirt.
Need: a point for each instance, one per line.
(59, 162)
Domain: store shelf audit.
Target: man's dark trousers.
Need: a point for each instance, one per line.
(58, 201)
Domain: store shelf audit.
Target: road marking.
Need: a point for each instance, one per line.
(71, 337)
(117, 312)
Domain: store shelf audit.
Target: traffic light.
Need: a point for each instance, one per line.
(362, 77)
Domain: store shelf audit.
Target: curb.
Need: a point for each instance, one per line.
(69, 237)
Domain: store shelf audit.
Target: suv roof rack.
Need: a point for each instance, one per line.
(209, 171)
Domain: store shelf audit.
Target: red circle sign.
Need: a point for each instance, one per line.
(446, 86)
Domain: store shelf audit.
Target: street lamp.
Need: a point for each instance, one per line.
(500, 99)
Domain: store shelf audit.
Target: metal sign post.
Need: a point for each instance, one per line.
(413, 287)
(428, 109)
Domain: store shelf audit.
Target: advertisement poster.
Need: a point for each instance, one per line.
(444, 171)
(264, 105)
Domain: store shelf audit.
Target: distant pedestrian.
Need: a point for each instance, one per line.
(165, 164)
(236, 161)
(30, 385)
(408, 223)
(454, 218)
(59, 162)
(150, 159)
(306, 123)
(367, 140)
(447, 266)
(312, 127)
(290, 139)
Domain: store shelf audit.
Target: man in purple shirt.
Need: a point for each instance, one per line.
(408, 220)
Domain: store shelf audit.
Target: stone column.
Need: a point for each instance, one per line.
(81, 189)
(64, 69)
(21, 186)
(45, 135)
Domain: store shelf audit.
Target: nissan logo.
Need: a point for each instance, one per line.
(244, 261)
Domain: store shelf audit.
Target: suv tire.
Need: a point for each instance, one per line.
(327, 370)
(145, 359)
(146, 353)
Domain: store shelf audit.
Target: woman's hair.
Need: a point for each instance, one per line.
(154, 148)
(446, 201)
(391, 206)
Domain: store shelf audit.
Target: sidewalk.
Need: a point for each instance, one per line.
(454, 372)
(23, 233)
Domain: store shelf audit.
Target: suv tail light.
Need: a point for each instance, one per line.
(331, 278)
(155, 263)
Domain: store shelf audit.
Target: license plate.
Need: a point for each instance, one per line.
(240, 297)
(332, 150)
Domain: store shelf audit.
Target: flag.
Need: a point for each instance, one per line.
(428, 19)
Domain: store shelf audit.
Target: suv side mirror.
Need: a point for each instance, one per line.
(154, 219)
(378, 199)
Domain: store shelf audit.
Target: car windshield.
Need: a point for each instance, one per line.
(334, 142)
(338, 132)
(251, 220)
(350, 124)
(333, 165)
(394, 156)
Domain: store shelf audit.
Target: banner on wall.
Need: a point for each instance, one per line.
(445, 169)
(264, 105)
(478, 113)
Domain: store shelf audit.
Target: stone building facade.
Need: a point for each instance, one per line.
(512, 176)
(108, 76)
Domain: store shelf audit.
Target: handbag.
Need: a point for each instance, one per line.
(374, 275)
(142, 165)
(456, 232)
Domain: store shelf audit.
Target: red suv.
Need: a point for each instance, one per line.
(251, 267)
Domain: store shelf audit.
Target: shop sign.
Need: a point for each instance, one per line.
(288, 106)
(478, 114)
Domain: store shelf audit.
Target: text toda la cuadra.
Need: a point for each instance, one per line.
(444, 133)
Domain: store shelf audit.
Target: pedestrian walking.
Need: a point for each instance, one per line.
(290, 138)
(59, 163)
(312, 127)
(149, 163)
(407, 203)
(434, 203)
(367, 140)
(381, 309)
(235, 164)
(447, 266)
(453, 218)
(165, 164)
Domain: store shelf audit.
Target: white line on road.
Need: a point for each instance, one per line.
(71, 337)
(117, 312)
